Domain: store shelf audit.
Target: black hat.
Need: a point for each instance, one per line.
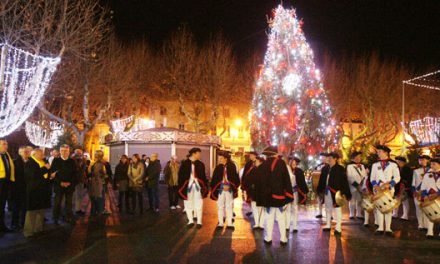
(194, 150)
(333, 155)
(252, 153)
(260, 158)
(323, 154)
(270, 151)
(225, 154)
(436, 160)
(295, 159)
(384, 148)
(424, 157)
(355, 154)
(403, 159)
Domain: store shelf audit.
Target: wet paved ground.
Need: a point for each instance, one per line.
(163, 238)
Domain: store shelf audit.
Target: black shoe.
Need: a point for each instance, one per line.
(360, 217)
(268, 242)
(430, 237)
(378, 232)
(421, 229)
(337, 233)
(287, 230)
(248, 213)
(366, 225)
(219, 227)
(318, 216)
(255, 228)
(283, 243)
(55, 222)
(233, 214)
(326, 229)
(230, 227)
(295, 230)
(351, 217)
(190, 225)
(199, 226)
(389, 233)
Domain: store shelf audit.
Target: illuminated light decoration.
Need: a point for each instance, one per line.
(290, 107)
(124, 128)
(24, 77)
(423, 78)
(426, 130)
(44, 135)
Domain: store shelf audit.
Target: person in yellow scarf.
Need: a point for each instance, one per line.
(36, 174)
(7, 178)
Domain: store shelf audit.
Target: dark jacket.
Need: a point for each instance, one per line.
(65, 172)
(217, 180)
(302, 188)
(121, 172)
(324, 174)
(276, 187)
(19, 186)
(337, 182)
(38, 193)
(185, 174)
(250, 183)
(81, 170)
(406, 175)
(153, 174)
(250, 165)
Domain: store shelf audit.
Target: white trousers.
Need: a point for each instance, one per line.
(367, 217)
(421, 217)
(405, 206)
(225, 206)
(292, 208)
(329, 210)
(430, 227)
(258, 212)
(78, 196)
(194, 206)
(320, 206)
(272, 214)
(355, 204)
(388, 217)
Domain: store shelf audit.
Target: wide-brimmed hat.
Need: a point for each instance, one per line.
(402, 159)
(424, 157)
(270, 151)
(384, 148)
(355, 154)
(194, 150)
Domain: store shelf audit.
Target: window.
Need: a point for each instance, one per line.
(163, 111)
(182, 126)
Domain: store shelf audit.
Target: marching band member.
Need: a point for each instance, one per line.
(384, 176)
(356, 173)
(276, 193)
(300, 191)
(416, 184)
(245, 173)
(193, 186)
(367, 190)
(323, 167)
(430, 190)
(330, 184)
(403, 190)
(250, 185)
(224, 188)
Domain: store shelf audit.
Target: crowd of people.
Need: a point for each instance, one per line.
(273, 185)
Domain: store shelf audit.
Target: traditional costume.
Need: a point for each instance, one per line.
(300, 191)
(193, 187)
(430, 190)
(416, 184)
(356, 174)
(403, 190)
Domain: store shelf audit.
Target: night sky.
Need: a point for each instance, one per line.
(408, 31)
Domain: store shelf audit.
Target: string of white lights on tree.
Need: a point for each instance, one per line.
(44, 135)
(426, 130)
(124, 127)
(24, 78)
(290, 106)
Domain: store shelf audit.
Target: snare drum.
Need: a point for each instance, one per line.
(431, 208)
(385, 202)
(315, 180)
(367, 204)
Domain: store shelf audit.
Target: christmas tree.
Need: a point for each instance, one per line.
(290, 108)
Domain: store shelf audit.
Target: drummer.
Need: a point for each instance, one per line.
(403, 190)
(324, 169)
(385, 175)
(431, 190)
(418, 175)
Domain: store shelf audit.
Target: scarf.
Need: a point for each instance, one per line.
(41, 164)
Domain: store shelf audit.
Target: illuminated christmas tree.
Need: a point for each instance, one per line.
(290, 107)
